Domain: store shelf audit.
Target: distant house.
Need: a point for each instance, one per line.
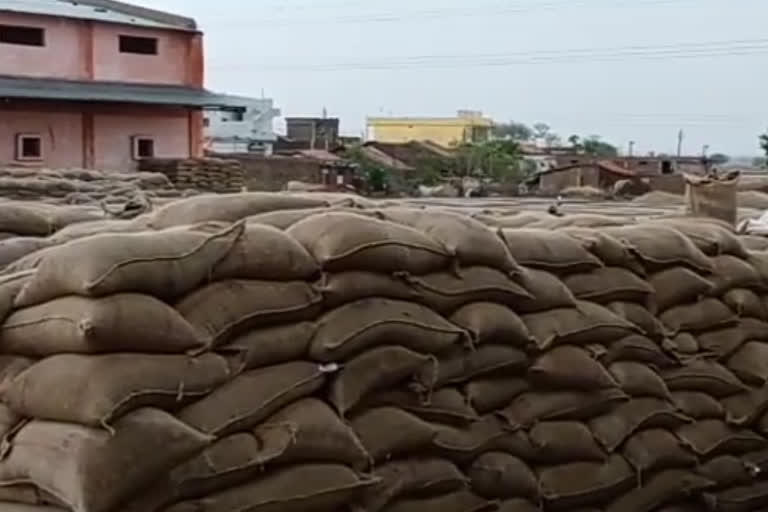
(247, 127)
(643, 165)
(312, 132)
(467, 126)
(602, 174)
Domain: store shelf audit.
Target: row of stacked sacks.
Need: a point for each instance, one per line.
(394, 360)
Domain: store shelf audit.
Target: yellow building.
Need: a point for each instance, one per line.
(468, 126)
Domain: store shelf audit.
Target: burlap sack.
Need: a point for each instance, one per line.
(727, 471)
(750, 363)
(510, 220)
(585, 484)
(746, 303)
(705, 315)
(464, 445)
(91, 228)
(546, 290)
(351, 329)
(25, 219)
(678, 285)
(656, 450)
(699, 406)
(709, 438)
(374, 370)
(740, 499)
(731, 272)
(745, 409)
(713, 238)
(705, 376)
(609, 284)
(446, 405)
(461, 501)
(459, 365)
(639, 380)
(252, 397)
(641, 317)
(563, 442)
(490, 323)
(163, 264)
(497, 475)
(389, 432)
(549, 250)
(97, 390)
(273, 345)
(517, 505)
(13, 249)
(570, 368)
(94, 470)
(491, 394)
(227, 207)
(10, 286)
(346, 287)
(314, 487)
(723, 343)
(532, 407)
(223, 310)
(638, 349)
(663, 488)
(80, 325)
(606, 248)
(659, 246)
(581, 221)
(714, 198)
(17, 507)
(683, 345)
(342, 242)
(283, 219)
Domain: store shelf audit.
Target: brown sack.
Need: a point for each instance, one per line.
(639, 349)
(252, 397)
(547, 292)
(532, 407)
(463, 445)
(446, 292)
(712, 197)
(682, 345)
(227, 208)
(731, 272)
(608, 249)
(563, 442)
(655, 450)
(497, 475)
(346, 287)
(750, 363)
(491, 394)
(699, 406)
(679, 285)
(585, 484)
(310, 488)
(727, 471)
(723, 343)
(164, 264)
(351, 329)
(445, 405)
(709, 438)
(25, 219)
(609, 284)
(662, 488)
(746, 303)
(80, 325)
(461, 501)
(97, 390)
(639, 316)
(518, 505)
(471, 241)
(10, 286)
(570, 368)
(746, 498)
(549, 250)
(95, 470)
(388, 432)
(273, 345)
(704, 315)
(225, 309)
(713, 238)
(342, 242)
(746, 408)
(639, 380)
(283, 219)
(460, 365)
(13, 249)
(705, 376)
(490, 323)
(374, 370)
(263, 252)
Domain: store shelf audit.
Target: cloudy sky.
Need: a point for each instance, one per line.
(624, 69)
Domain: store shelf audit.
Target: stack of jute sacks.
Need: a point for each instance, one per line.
(266, 352)
(205, 174)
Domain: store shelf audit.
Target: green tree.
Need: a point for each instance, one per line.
(541, 130)
(575, 142)
(513, 131)
(595, 147)
(764, 143)
(499, 160)
(719, 159)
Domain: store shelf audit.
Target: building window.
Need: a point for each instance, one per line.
(666, 167)
(143, 148)
(29, 147)
(26, 36)
(138, 45)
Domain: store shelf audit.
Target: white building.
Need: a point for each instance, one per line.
(239, 130)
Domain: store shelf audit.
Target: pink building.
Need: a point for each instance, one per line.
(99, 84)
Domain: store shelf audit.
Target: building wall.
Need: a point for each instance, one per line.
(446, 135)
(555, 182)
(62, 134)
(85, 50)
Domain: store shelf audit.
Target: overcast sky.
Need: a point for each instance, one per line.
(624, 69)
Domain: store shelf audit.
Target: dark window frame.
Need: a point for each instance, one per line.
(22, 148)
(22, 35)
(138, 147)
(138, 45)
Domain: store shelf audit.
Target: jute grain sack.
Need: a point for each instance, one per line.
(585, 484)
(570, 368)
(745, 409)
(96, 390)
(723, 343)
(10, 286)
(491, 394)
(461, 501)
(10, 421)
(656, 450)
(581, 221)
(310, 488)
(25, 494)
(17, 507)
(754, 242)
(532, 407)
(712, 197)
(252, 397)
(412, 477)
(459, 365)
(14, 248)
(606, 248)
(351, 329)
(445, 405)
(746, 303)
(727, 471)
(609, 284)
(446, 292)
(343, 241)
(388, 432)
(510, 220)
(374, 370)
(705, 315)
(163, 264)
(91, 228)
(273, 345)
(759, 261)
(639, 380)
(517, 505)
(639, 316)
(699, 406)
(663, 488)
(226, 207)
(547, 292)
(549, 250)
(745, 498)
(731, 272)
(712, 238)
(679, 285)
(226, 309)
(346, 287)
(498, 475)
(683, 345)
(584, 324)
(639, 349)
(283, 219)
(490, 323)
(660, 246)
(472, 242)
(10, 368)
(563, 442)
(709, 438)
(118, 323)
(95, 470)
(463, 445)
(750, 363)
(613, 429)
(25, 219)
(264, 252)
(705, 376)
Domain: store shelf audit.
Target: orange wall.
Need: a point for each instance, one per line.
(82, 50)
(61, 132)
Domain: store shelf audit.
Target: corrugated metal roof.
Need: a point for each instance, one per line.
(109, 11)
(110, 92)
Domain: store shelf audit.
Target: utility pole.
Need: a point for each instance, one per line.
(680, 137)
(631, 148)
(705, 150)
